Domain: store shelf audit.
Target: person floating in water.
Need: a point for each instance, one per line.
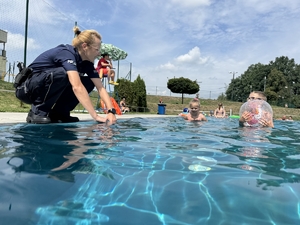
(184, 112)
(220, 111)
(247, 116)
(282, 118)
(194, 112)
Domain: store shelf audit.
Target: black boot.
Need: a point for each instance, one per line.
(32, 118)
(57, 118)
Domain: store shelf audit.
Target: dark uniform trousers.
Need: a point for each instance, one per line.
(51, 91)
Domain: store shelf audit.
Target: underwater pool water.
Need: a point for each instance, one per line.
(150, 171)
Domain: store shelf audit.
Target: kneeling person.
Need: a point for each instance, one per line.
(61, 78)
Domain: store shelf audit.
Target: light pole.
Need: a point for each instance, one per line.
(170, 89)
(233, 73)
(199, 88)
(265, 83)
(26, 32)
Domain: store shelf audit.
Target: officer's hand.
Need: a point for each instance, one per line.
(111, 117)
(100, 119)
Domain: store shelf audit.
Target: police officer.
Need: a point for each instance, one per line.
(61, 78)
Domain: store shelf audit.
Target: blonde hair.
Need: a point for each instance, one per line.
(86, 36)
(194, 102)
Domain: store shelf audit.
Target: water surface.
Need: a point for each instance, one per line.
(150, 171)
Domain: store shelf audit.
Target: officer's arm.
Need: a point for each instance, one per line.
(82, 95)
(105, 97)
(102, 92)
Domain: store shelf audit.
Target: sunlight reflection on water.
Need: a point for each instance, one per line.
(163, 171)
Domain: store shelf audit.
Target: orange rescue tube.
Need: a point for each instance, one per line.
(103, 107)
(115, 105)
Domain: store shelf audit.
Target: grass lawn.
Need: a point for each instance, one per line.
(9, 103)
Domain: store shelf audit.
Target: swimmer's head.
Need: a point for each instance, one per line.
(257, 95)
(194, 105)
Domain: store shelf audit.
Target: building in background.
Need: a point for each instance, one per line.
(3, 60)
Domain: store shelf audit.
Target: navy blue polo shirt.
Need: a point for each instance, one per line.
(65, 56)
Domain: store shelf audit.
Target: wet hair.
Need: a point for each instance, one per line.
(261, 94)
(195, 102)
(86, 36)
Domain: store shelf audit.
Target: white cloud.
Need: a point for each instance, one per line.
(270, 6)
(168, 66)
(17, 41)
(40, 12)
(191, 3)
(11, 12)
(193, 56)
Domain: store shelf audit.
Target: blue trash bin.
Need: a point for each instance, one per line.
(161, 108)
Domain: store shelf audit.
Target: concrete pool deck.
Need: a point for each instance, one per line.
(14, 117)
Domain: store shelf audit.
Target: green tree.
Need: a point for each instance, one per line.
(291, 73)
(253, 79)
(124, 89)
(277, 83)
(276, 90)
(221, 97)
(139, 93)
(280, 80)
(134, 92)
(286, 66)
(183, 86)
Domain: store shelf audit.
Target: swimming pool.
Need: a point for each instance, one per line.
(150, 171)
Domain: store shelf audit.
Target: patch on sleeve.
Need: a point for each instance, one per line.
(71, 62)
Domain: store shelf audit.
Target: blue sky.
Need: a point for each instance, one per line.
(197, 39)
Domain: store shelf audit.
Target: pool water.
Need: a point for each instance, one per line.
(150, 171)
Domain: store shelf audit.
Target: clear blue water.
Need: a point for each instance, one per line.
(141, 171)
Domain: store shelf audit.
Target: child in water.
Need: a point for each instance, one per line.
(247, 116)
(184, 112)
(194, 112)
(220, 111)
